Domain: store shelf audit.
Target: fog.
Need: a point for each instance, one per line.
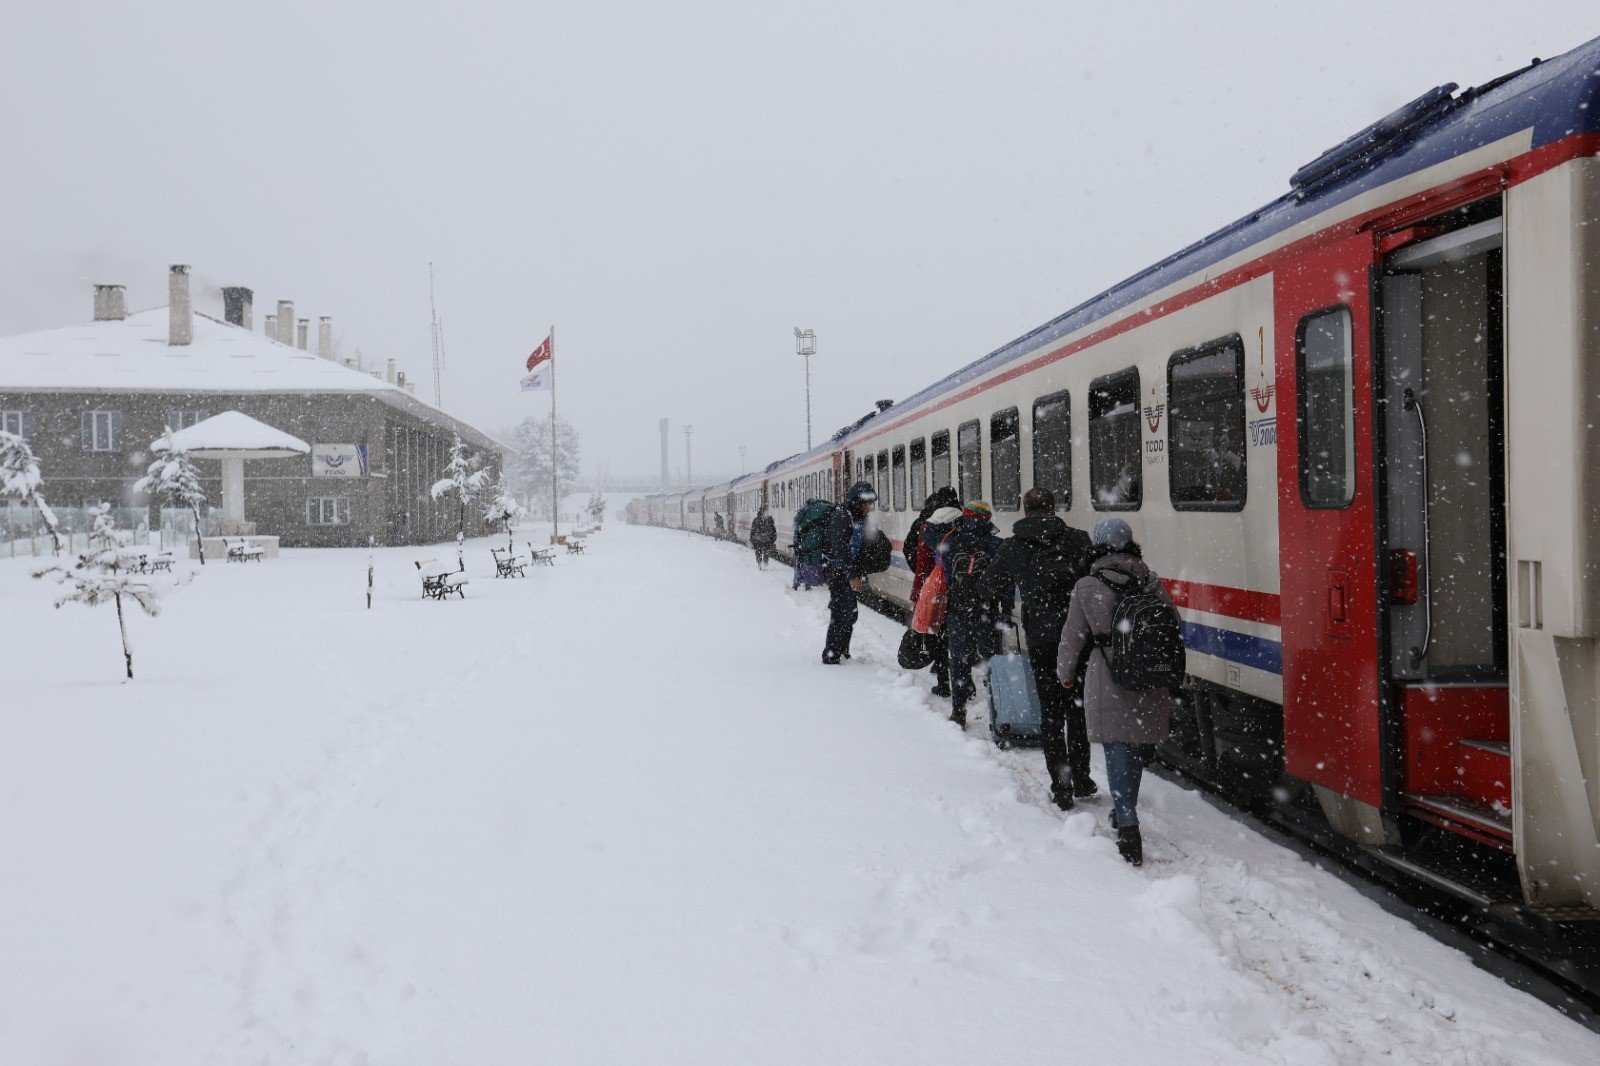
(675, 187)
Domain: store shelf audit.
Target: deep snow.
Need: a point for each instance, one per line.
(617, 812)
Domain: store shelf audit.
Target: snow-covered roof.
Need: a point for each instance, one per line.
(236, 433)
(132, 355)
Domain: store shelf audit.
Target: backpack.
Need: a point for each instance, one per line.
(966, 574)
(1144, 649)
(876, 553)
(1056, 568)
(811, 530)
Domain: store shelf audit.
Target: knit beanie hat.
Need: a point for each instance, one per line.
(977, 509)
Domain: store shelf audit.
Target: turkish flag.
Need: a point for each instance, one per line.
(542, 354)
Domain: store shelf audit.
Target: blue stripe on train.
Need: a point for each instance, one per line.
(1239, 648)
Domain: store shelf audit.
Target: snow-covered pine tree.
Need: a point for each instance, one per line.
(103, 575)
(175, 480)
(20, 480)
(464, 478)
(504, 509)
(597, 507)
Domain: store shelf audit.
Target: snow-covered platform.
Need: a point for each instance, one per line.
(617, 812)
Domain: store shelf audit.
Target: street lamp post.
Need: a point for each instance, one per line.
(805, 344)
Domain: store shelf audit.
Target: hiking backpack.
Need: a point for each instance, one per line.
(966, 573)
(1144, 649)
(811, 530)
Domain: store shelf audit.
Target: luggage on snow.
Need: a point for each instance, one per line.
(914, 651)
(1015, 716)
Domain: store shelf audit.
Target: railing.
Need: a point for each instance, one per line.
(23, 532)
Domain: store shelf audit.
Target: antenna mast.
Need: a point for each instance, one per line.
(438, 343)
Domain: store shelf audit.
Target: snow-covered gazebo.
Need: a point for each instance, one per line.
(232, 437)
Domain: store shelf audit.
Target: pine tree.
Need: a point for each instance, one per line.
(528, 465)
(20, 480)
(103, 575)
(175, 480)
(597, 507)
(464, 479)
(504, 509)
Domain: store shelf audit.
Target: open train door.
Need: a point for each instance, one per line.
(1334, 720)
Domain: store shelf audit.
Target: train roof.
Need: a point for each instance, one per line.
(1555, 98)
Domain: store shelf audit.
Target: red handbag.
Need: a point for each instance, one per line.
(928, 615)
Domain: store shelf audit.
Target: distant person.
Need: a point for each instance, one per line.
(1042, 561)
(763, 536)
(922, 554)
(965, 553)
(721, 531)
(847, 531)
(1124, 624)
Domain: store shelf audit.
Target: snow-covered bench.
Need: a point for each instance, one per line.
(506, 564)
(440, 580)
(574, 547)
(242, 551)
(149, 562)
(545, 557)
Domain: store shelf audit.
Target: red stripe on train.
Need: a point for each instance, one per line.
(1219, 599)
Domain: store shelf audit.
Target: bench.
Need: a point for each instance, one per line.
(151, 562)
(242, 551)
(506, 564)
(574, 547)
(547, 557)
(440, 580)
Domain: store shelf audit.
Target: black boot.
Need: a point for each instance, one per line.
(959, 717)
(1130, 844)
(1084, 787)
(1061, 797)
(942, 690)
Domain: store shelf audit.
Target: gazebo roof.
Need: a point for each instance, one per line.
(234, 435)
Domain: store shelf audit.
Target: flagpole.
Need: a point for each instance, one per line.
(555, 474)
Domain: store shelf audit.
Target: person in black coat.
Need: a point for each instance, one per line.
(847, 529)
(965, 554)
(1044, 558)
(763, 536)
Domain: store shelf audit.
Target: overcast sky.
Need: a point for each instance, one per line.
(676, 186)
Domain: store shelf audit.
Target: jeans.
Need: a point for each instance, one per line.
(1125, 765)
(1066, 739)
(842, 612)
(967, 637)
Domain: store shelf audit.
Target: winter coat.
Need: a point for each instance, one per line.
(926, 556)
(1114, 714)
(1021, 566)
(763, 531)
(845, 533)
(941, 500)
(970, 535)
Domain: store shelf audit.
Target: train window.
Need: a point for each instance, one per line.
(1116, 472)
(940, 466)
(1052, 447)
(969, 460)
(897, 467)
(919, 473)
(1205, 427)
(882, 487)
(1326, 391)
(1005, 460)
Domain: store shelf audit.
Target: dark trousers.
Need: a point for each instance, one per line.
(1066, 739)
(842, 611)
(941, 659)
(969, 638)
(1125, 765)
(763, 553)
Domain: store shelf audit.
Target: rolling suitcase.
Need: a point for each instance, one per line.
(1015, 717)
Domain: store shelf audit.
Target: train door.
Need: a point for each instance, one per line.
(1443, 523)
(1334, 717)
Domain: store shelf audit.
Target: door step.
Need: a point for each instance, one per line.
(1465, 810)
(1439, 879)
(1498, 747)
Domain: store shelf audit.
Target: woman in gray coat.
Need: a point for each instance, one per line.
(1128, 724)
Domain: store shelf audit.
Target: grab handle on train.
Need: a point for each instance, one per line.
(1414, 405)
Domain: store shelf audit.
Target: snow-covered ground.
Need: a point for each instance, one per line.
(617, 812)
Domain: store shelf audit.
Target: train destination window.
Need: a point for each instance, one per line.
(1205, 427)
(898, 477)
(882, 486)
(1005, 460)
(969, 460)
(1052, 447)
(1116, 469)
(919, 473)
(941, 459)
(1327, 409)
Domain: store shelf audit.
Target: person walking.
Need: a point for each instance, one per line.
(763, 536)
(847, 530)
(922, 553)
(965, 554)
(1127, 717)
(1043, 560)
(721, 532)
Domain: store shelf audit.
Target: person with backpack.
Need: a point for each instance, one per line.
(938, 500)
(846, 536)
(1124, 623)
(810, 538)
(922, 552)
(1043, 560)
(763, 536)
(965, 553)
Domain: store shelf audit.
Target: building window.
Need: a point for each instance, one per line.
(1116, 473)
(1052, 447)
(181, 419)
(882, 487)
(16, 422)
(102, 431)
(897, 466)
(328, 510)
(940, 467)
(1327, 409)
(969, 461)
(1205, 427)
(1005, 460)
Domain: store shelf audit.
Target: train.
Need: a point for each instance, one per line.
(1358, 434)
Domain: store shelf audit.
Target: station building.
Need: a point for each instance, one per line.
(91, 399)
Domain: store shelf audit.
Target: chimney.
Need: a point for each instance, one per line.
(325, 336)
(411, 388)
(285, 323)
(389, 374)
(236, 306)
(270, 327)
(109, 303)
(180, 328)
(301, 334)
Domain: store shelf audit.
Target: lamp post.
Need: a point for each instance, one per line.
(805, 344)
